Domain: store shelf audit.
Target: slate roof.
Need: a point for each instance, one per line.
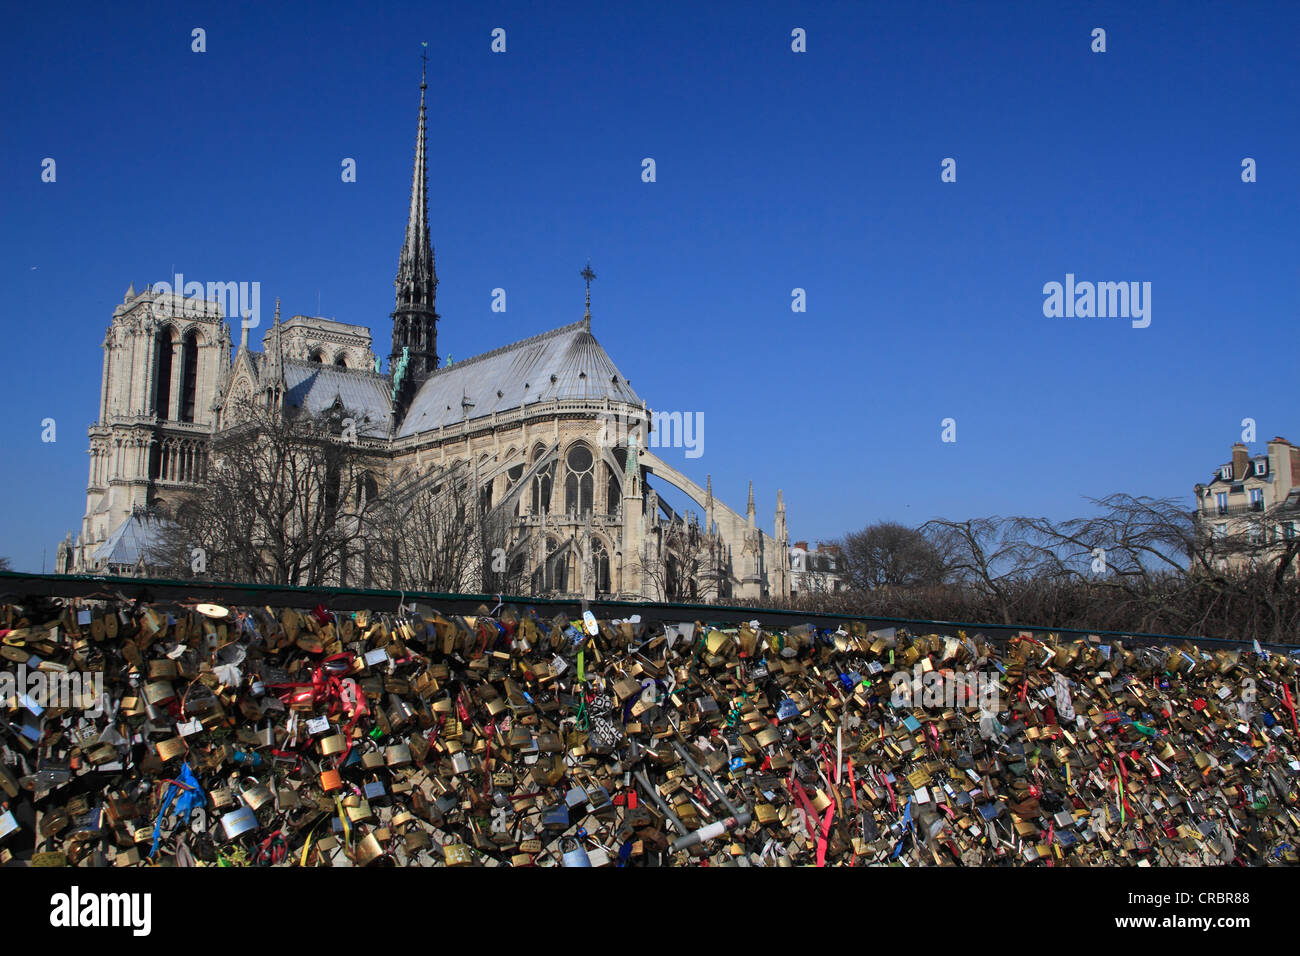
(315, 387)
(565, 363)
(132, 540)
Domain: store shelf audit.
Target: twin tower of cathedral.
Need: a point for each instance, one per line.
(532, 419)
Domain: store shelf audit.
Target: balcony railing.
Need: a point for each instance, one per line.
(1212, 511)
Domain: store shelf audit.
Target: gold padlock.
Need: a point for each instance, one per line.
(332, 745)
(457, 854)
(171, 748)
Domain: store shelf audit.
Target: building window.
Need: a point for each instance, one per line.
(600, 564)
(1257, 499)
(613, 494)
(1221, 502)
(542, 489)
(1288, 530)
(579, 482)
(189, 374)
(163, 373)
(553, 575)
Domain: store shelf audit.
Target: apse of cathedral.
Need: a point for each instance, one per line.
(529, 420)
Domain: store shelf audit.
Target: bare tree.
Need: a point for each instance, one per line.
(985, 554)
(284, 496)
(888, 554)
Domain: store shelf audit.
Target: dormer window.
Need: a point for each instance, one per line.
(1226, 473)
(1261, 467)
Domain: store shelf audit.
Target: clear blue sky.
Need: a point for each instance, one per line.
(775, 170)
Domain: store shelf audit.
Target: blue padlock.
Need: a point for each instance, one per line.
(575, 855)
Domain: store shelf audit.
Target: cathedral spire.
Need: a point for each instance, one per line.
(414, 317)
(588, 275)
(749, 511)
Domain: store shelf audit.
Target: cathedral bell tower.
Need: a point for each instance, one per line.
(415, 321)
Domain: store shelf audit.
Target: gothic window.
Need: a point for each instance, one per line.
(316, 357)
(542, 489)
(600, 564)
(367, 487)
(163, 372)
(189, 374)
(578, 483)
(341, 360)
(554, 571)
(613, 493)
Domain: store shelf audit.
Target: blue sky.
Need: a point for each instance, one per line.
(775, 170)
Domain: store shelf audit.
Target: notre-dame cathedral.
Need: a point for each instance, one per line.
(532, 419)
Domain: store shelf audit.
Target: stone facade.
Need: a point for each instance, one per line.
(1255, 499)
(553, 434)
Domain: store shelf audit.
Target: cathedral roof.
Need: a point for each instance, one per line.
(565, 363)
(315, 387)
(133, 539)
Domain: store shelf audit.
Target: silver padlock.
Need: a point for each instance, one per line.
(238, 822)
(460, 762)
(256, 796)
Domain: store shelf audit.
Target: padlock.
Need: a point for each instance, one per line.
(159, 693)
(358, 810)
(574, 854)
(375, 789)
(368, 850)
(457, 854)
(238, 822)
(171, 749)
(256, 796)
(397, 755)
(332, 745)
(331, 781)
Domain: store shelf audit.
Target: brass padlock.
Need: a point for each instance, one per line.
(397, 755)
(171, 748)
(159, 692)
(457, 854)
(368, 850)
(332, 745)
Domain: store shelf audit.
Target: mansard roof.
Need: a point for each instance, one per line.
(565, 363)
(315, 387)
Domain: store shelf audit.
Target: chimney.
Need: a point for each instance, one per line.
(1240, 461)
(801, 545)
